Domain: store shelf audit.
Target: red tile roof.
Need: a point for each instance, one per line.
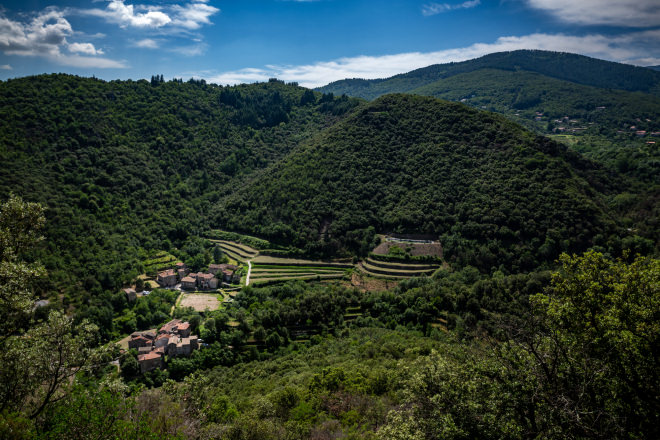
(149, 356)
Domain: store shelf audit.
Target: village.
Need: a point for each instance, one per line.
(180, 274)
(173, 339)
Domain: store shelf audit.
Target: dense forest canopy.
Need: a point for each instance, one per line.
(607, 111)
(497, 195)
(129, 165)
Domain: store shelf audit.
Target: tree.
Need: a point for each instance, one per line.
(20, 231)
(588, 362)
(38, 359)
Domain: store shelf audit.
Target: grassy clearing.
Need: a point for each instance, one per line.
(233, 255)
(254, 242)
(257, 276)
(159, 261)
(383, 276)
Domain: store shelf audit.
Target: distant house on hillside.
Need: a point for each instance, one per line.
(181, 270)
(167, 278)
(150, 361)
(188, 283)
(215, 268)
(131, 294)
(139, 341)
(206, 281)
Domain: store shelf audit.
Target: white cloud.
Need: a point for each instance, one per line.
(193, 15)
(190, 16)
(5, 67)
(626, 48)
(147, 43)
(124, 15)
(438, 8)
(190, 51)
(84, 48)
(635, 13)
(88, 62)
(44, 36)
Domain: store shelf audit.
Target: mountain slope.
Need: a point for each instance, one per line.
(495, 193)
(607, 111)
(125, 165)
(565, 66)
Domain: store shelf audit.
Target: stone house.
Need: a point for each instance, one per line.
(206, 281)
(188, 283)
(184, 329)
(161, 340)
(150, 361)
(167, 278)
(139, 341)
(173, 339)
(215, 268)
(131, 294)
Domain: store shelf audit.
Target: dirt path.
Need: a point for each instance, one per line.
(247, 278)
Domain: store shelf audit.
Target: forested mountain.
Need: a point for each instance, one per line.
(607, 111)
(564, 66)
(125, 165)
(496, 194)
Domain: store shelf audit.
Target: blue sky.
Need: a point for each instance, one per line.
(311, 42)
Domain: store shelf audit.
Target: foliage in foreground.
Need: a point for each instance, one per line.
(583, 366)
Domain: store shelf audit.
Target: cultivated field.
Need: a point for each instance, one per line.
(414, 249)
(201, 301)
(269, 270)
(237, 251)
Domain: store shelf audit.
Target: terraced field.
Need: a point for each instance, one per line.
(237, 251)
(269, 270)
(159, 261)
(399, 269)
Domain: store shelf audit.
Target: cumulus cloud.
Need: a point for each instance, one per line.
(189, 16)
(5, 67)
(193, 15)
(624, 48)
(637, 13)
(147, 43)
(44, 36)
(85, 48)
(439, 8)
(191, 50)
(125, 15)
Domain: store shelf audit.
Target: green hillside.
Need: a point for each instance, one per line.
(607, 111)
(565, 66)
(127, 166)
(497, 195)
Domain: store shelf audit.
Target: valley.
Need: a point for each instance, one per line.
(468, 250)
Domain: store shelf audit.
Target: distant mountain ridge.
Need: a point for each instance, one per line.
(578, 69)
(605, 110)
